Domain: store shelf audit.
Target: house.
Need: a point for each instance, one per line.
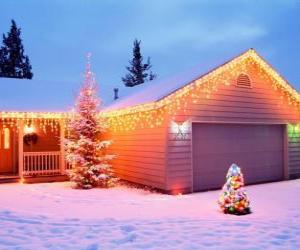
(180, 134)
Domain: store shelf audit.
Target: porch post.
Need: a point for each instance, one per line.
(20, 147)
(62, 149)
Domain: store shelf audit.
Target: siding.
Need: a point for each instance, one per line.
(260, 103)
(140, 155)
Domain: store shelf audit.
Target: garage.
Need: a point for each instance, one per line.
(257, 149)
(181, 134)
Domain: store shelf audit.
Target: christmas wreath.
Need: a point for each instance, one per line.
(30, 139)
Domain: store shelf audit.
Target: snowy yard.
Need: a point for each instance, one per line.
(54, 216)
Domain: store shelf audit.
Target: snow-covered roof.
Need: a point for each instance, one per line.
(17, 95)
(36, 95)
(156, 90)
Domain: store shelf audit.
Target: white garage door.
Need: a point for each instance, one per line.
(257, 149)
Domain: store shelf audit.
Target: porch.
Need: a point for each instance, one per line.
(31, 149)
(39, 167)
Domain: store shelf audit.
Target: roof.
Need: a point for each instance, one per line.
(155, 91)
(36, 95)
(20, 95)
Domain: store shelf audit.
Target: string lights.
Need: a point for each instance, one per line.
(43, 120)
(156, 114)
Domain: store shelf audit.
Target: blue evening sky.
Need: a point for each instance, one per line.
(176, 34)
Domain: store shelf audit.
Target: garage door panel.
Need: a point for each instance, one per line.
(258, 149)
(241, 146)
(240, 158)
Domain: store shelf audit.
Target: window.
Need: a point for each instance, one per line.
(243, 81)
(6, 138)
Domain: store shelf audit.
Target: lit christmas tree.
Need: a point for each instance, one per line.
(233, 199)
(84, 148)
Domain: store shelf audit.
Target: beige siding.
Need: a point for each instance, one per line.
(259, 104)
(140, 156)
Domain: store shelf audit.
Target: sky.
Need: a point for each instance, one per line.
(176, 34)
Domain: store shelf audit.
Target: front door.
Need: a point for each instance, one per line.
(6, 151)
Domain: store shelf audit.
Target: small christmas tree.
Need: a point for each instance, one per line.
(84, 148)
(233, 199)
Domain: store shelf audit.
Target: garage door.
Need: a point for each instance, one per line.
(257, 149)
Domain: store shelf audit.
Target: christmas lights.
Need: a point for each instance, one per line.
(156, 113)
(159, 113)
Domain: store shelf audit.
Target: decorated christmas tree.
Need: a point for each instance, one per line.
(233, 199)
(84, 148)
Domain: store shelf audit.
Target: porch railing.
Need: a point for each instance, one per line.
(42, 163)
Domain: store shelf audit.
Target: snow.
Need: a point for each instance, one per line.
(54, 216)
(37, 95)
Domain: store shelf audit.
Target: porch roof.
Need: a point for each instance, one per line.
(22, 95)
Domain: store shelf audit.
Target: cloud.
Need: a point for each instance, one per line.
(200, 36)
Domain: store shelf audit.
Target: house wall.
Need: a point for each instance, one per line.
(140, 155)
(258, 104)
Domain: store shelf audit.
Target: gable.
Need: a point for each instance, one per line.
(257, 99)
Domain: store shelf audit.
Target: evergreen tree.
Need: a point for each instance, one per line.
(13, 62)
(233, 199)
(1, 62)
(84, 148)
(138, 71)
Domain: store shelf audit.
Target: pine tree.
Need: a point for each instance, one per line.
(233, 199)
(1, 62)
(13, 62)
(84, 148)
(138, 71)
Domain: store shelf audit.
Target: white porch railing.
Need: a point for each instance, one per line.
(42, 163)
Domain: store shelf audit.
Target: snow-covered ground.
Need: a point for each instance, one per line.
(54, 216)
